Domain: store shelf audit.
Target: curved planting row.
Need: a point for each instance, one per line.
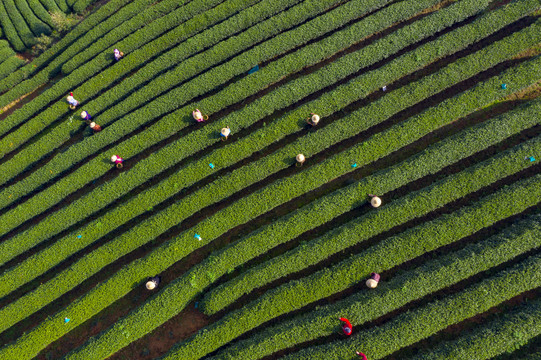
(160, 193)
(121, 245)
(319, 249)
(188, 149)
(174, 299)
(139, 25)
(8, 61)
(22, 28)
(328, 281)
(489, 340)
(137, 52)
(58, 53)
(40, 12)
(51, 6)
(333, 135)
(421, 323)
(62, 133)
(150, 167)
(398, 291)
(19, 212)
(9, 29)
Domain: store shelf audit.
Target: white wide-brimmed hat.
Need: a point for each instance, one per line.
(300, 158)
(92, 124)
(315, 118)
(114, 158)
(84, 114)
(225, 131)
(376, 201)
(69, 98)
(371, 283)
(151, 285)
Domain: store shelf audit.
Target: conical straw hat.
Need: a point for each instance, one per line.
(371, 283)
(84, 114)
(315, 118)
(300, 158)
(225, 131)
(114, 158)
(150, 285)
(376, 201)
(92, 124)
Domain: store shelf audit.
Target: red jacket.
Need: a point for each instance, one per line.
(347, 326)
(362, 355)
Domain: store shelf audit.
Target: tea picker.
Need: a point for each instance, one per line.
(198, 116)
(363, 356)
(118, 54)
(86, 116)
(71, 100)
(300, 159)
(117, 160)
(95, 127)
(347, 328)
(153, 282)
(313, 120)
(224, 133)
(375, 201)
(373, 281)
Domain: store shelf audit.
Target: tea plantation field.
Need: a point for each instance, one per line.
(433, 106)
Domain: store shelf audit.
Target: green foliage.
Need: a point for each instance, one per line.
(169, 8)
(42, 43)
(365, 306)
(70, 44)
(63, 22)
(12, 32)
(37, 26)
(348, 235)
(170, 124)
(178, 295)
(505, 334)
(415, 325)
(296, 294)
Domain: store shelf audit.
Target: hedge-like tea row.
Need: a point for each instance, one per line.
(169, 253)
(202, 138)
(39, 231)
(5, 51)
(130, 281)
(418, 324)
(170, 124)
(120, 214)
(247, 177)
(51, 6)
(9, 29)
(62, 133)
(37, 26)
(319, 249)
(10, 65)
(489, 340)
(137, 23)
(276, 7)
(62, 4)
(366, 306)
(80, 5)
(137, 53)
(20, 25)
(40, 11)
(59, 53)
(210, 77)
(140, 204)
(298, 293)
